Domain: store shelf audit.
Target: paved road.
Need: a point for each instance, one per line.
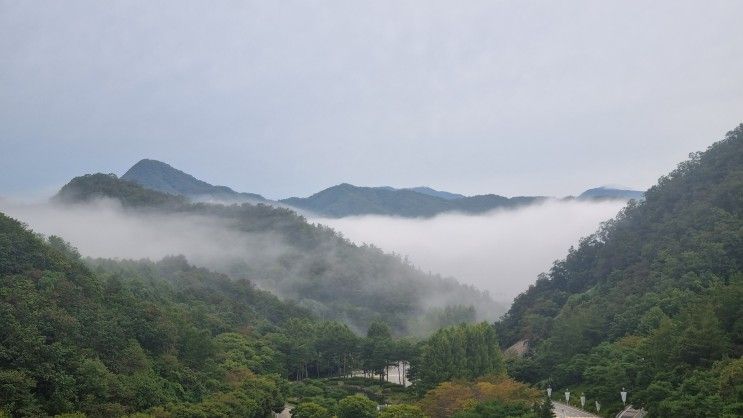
(562, 410)
(630, 412)
(286, 413)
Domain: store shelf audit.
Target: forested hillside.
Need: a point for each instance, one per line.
(108, 344)
(106, 338)
(309, 263)
(652, 302)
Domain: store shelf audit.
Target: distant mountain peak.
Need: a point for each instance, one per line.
(608, 192)
(162, 177)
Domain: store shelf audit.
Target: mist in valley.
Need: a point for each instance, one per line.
(102, 229)
(501, 251)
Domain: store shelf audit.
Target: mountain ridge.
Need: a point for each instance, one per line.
(159, 176)
(346, 199)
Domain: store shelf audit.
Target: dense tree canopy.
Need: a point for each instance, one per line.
(459, 352)
(653, 301)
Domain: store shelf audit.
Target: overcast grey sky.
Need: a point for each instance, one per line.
(285, 98)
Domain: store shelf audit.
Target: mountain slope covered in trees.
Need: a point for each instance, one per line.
(113, 338)
(75, 340)
(652, 302)
(280, 251)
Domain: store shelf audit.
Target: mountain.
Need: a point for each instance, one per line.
(280, 251)
(349, 200)
(611, 193)
(346, 199)
(653, 301)
(159, 176)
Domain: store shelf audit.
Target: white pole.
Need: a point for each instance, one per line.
(623, 393)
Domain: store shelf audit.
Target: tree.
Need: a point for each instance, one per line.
(465, 351)
(401, 411)
(310, 410)
(544, 409)
(357, 406)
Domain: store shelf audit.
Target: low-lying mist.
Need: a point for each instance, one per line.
(501, 251)
(102, 229)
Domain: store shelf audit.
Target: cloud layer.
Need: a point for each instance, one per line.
(501, 251)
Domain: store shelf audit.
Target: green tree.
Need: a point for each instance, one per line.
(401, 411)
(356, 406)
(310, 410)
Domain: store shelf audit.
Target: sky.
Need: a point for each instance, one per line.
(286, 98)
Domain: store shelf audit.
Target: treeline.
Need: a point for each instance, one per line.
(309, 263)
(653, 302)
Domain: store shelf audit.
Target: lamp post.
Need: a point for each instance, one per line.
(598, 406)
(623, 393)
(583, 400)
(567, 396)
(549, 392)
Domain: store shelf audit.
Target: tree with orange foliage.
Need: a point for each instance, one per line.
(450, 397)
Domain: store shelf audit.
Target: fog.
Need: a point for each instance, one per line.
(103, 229)
(501, 251)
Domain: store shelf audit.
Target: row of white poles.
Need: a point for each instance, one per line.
(623, 394)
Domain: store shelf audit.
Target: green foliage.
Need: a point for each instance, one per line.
(401, 411)
(357, 406)
(310, 410)
(652, 302)
(115, 338)
(459, 352)
(544, 409)
(130, 336)
(495, 409)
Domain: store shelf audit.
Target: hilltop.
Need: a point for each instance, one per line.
(161, 177)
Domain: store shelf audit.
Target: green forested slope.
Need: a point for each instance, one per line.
(127, 339)
(108, 338)
(653, 301)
